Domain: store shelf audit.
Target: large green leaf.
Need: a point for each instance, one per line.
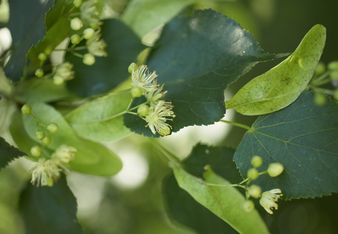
(49, 209)
(102, 119)
(27, 26)
(91, 157)
(224, 201)
(8, 153)
(182, 208)
(281, 85)
(145, 15)
(304, 138)
(123, 46)
(197, 56)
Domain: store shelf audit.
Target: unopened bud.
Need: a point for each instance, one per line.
(275, 169)
(256, 161)
(88, 59)
(320, 69)
(58, 80)
(248, 206)
(333, 66)
(26, 110)
(52, 127)
(36, 151)
(47, 140)
(42, 57)
(132, 67)
(39, 135)
(136, 92)
(88, 33)
(143, 110)
(255, 191)
(76, 24)
(75, 39)
(320, 99)
(252, 173)
(39, 73)
(77, 3)
(48, 50)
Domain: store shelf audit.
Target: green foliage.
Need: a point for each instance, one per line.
(49, 209)
(108, 72)
(197, 56)
(8, 153)
(281, 85)
(303, 138)
(26, 32)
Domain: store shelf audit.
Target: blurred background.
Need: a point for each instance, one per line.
(131, 202)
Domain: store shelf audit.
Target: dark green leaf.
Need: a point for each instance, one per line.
(27, 26)
(197, 57)
(8, 153)
(304, 138)
(123, 46)
(49, 210)
(182, 208)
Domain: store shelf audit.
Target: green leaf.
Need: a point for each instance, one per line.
(91, 158)
(182, 208)
(224, 201)
(123, 46)
(8, 153)
(27, 26)
(303, 137)
(145, 15)
(281, 85)
(102, 119)
(197, 57)
(49, 209)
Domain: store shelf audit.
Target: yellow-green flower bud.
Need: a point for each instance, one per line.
(248, 206)
(88, 59)
(36, 151)
(26, 110)
(76, 24)
(77, 3)
(275, 169)
(252, 173)
(143, 110)
(58, 80)
(52, 127)
(47, 140)
(320, 69)
(75, 39)
(39, 73)
(255, 191)
(48, 50)
(39, 135)
(320, 99)
(136, 92)
(42, 57)
(333, 66)
(256, 161)
(132, 67)
(88, 33)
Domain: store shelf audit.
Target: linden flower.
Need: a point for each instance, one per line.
(63, 154)
(96, 46)
(142, 78)
(157, 118)
(89, 14)
(269, 199)
(154, 95)
(64, 70)
(43, 171)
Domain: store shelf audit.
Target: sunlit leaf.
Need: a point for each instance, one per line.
(197, 56)
(304, 138)
(281, 85)
(49, 209)
(8, 153)
(182, 208)
(145, 15)
(26, 32)
(91, 157)
(123, 46)
(224, 201)
(101, 119)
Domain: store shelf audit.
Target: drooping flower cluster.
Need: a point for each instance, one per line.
(158, 112)
(44, 172)
(269, 199)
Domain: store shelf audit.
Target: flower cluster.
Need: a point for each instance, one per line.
(157, 112)
(268, 198)
(44, 172)
(63, 72)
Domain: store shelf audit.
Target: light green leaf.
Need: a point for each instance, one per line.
(145, 15)
(224, 201)
(281, 85)
(91, 157)
(304, 138)
(102, 119)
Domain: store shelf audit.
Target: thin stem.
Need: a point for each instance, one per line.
(77, 54)
(168, 155)
(320, 78)
(80, 48)
(236, 124)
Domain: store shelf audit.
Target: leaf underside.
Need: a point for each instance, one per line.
(304, 138)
